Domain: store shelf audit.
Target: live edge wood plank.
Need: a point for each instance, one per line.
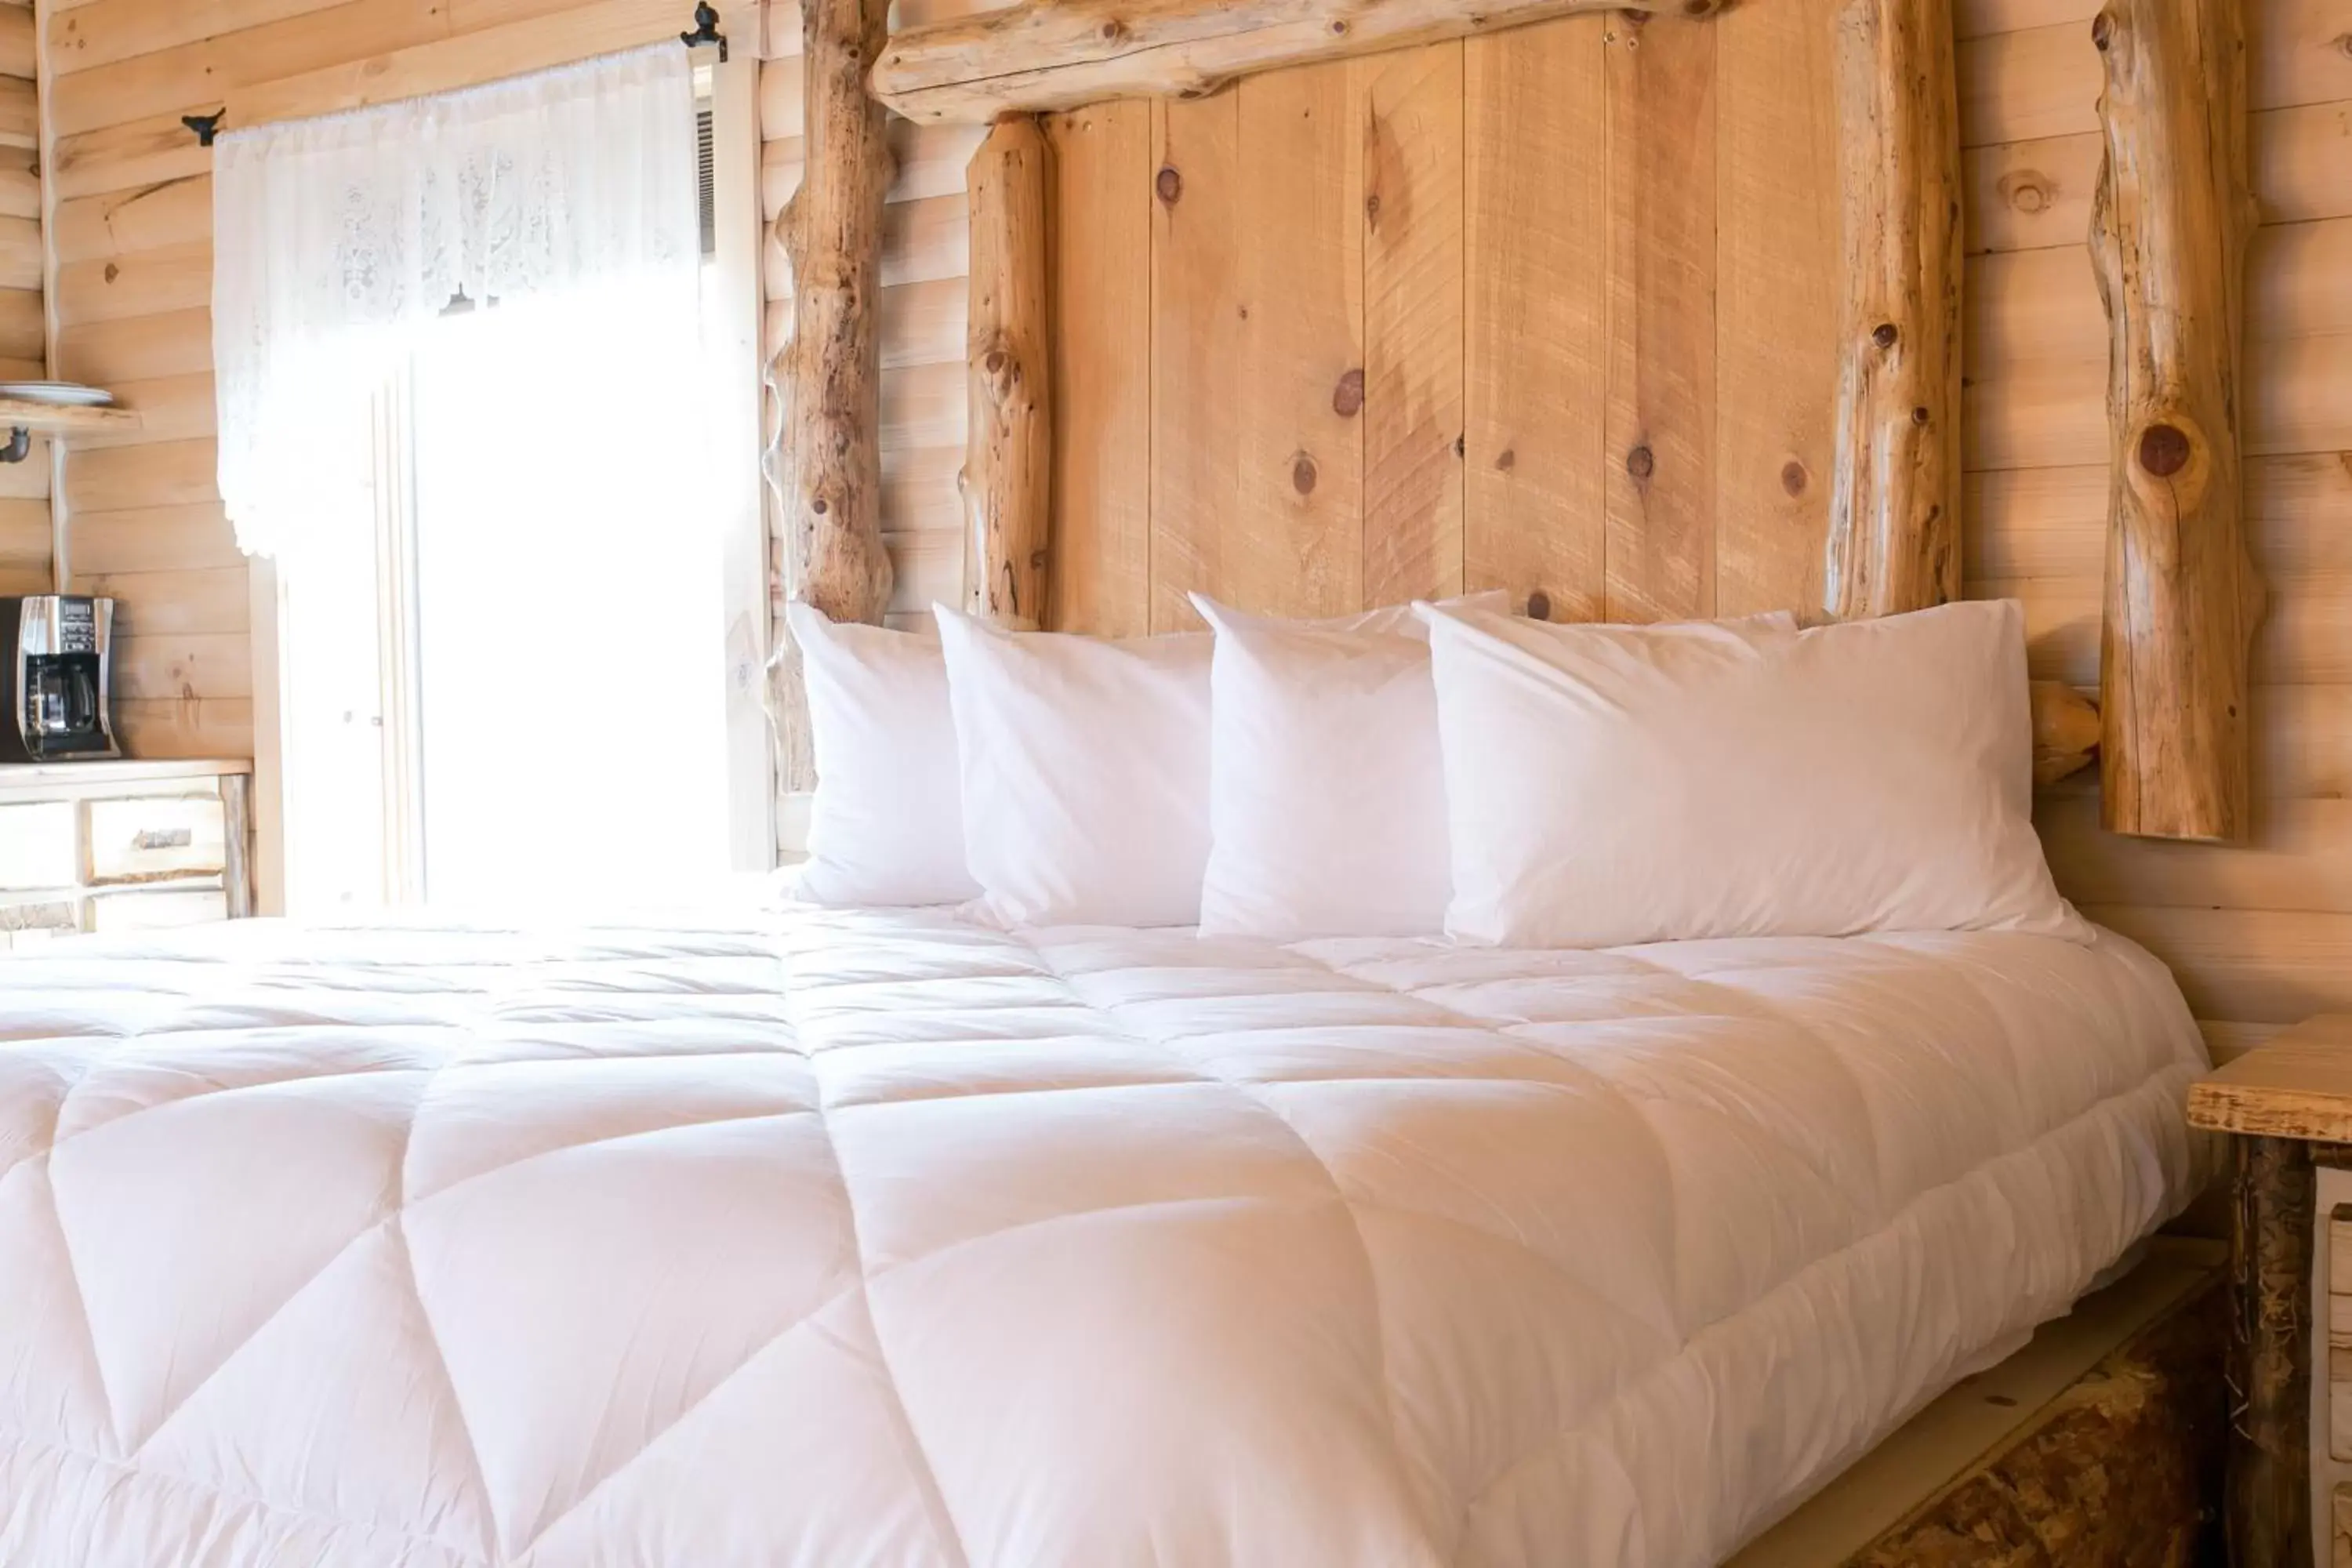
(1061, 56)
(2298, 1086)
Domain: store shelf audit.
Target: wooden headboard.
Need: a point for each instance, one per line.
(1636, 311)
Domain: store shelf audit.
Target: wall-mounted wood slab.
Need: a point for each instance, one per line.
(1061, 56)
(2170, 223)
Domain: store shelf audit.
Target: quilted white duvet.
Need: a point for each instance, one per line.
(864, 1240)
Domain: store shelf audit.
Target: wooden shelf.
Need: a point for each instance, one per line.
(60, 419)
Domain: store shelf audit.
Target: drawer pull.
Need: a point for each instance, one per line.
(164, 838)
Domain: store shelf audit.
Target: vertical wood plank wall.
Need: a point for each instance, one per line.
(133, 237)
(1549, 311)
(2259, 936)
(24, 351)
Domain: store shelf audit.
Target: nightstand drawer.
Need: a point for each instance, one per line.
(157, 909)
(150, 839)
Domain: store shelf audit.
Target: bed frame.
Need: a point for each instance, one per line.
(2173, 216)
(1882, 535)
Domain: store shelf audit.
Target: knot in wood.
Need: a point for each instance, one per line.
(2163, 450)
(1793, 478)
(994, 361)
(2102, 31)
(1169, 184)
(1886, 335)
(1302, 474)
(1112, 30)
(1347, 397)
(1505, 460)
(1920, 416)
(1641, 462)
(2027, 190)
(1338, 27)
(1699, 7)
(1371, 213)
(1539, 605)
(818, 506)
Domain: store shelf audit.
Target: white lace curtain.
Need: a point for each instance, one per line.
(337, 239)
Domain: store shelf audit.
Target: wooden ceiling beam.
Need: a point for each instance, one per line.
(1039, 57)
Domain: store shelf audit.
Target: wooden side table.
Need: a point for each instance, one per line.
(2288, 1106)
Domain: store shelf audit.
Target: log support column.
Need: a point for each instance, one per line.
(1007, 476)
(2170, 221)
(825, 458)
(1895, 530)
(2268, 1504)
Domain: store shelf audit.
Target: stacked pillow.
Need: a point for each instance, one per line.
(1437, 769)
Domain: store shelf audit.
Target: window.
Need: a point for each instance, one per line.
(521, 655)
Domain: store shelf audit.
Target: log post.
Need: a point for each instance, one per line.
(2170, 221)
(2268, 1503)
(1894, 534)
(1007, 476)
(825, 458)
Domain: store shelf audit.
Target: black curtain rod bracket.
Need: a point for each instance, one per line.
(706, 30)
(206, 126)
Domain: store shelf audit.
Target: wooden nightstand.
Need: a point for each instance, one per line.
(2289, 1105)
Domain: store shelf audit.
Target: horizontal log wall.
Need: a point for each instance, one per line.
(2259, 936)
(23, 487)
(132, 239)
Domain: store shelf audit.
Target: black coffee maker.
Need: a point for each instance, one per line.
(58, 647)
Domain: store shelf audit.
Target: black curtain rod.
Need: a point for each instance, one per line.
(704, 31)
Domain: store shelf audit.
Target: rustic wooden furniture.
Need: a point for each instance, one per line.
(2289, 1106)
(123, 846)
(2022, 1465)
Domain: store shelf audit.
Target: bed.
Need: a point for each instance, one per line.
(824, 1237)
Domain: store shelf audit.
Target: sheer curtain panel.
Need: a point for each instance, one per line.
(338, 240)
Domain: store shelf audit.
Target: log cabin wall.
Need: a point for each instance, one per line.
(132, 249)
(2259, 936)
(25, 522)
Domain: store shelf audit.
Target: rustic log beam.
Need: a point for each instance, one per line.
(2170, 224)
(824, 458)
(1062, 55)
(2065, 731)
(1894, 524)
(1007, 476)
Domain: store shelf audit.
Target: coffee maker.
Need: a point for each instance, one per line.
(59, 648)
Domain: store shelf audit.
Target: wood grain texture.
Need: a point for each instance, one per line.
(2267, 1503)
(1659, 439)
(1413, 324)
(1537, 305)
(1196, 345)
(1007, 479)
(1101, 560)
(2170, 221)
(1776, 302)
(2297, 1087)
(1297, 546)
(1060, 57)
(1894, 495)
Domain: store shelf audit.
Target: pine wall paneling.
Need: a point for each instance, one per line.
(131, 243)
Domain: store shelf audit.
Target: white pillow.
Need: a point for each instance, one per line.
(1610, 784)
(1326, 793)
(886, 825)
(1086, 773)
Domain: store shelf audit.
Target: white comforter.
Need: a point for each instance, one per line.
(883, 1239)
